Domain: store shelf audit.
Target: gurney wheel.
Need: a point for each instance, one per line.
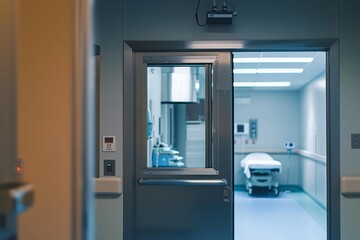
(276, 191)
(250, 191)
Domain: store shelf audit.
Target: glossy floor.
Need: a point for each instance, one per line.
(292, 215)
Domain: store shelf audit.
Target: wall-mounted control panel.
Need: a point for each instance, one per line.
(253, 129)
(289, 145)
(355, 140)
(109, 144)
(109, 167)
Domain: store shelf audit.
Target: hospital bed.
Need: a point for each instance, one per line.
(261, 170)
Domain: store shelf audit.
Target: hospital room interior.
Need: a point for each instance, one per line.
(280, 144)
(279, 137)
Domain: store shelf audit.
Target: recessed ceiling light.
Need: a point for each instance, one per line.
(267, 70)
(273, 60)
(261, 84)
(280, 70)
(245, 70)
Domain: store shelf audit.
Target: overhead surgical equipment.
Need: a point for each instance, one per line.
(261, 170)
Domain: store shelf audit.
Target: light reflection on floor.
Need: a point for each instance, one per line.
(292, 216)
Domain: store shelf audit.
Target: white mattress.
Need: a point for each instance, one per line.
(259, 161)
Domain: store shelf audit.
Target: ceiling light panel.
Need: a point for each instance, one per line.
(262, 84)
(267, 70)
(273, 60)
(280, 70)
(312, 63)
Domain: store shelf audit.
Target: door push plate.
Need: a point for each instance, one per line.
(226, 194)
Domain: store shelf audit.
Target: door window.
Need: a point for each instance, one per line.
(178, 116)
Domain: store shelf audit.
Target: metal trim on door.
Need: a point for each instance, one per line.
(184, 182)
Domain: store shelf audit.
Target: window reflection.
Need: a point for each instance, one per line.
(176, 116)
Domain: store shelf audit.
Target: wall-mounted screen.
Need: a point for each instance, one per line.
(241, 128)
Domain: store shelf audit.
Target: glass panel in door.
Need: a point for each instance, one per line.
(178, 116)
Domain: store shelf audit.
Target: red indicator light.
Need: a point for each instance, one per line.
(19, 167)
(18, 170)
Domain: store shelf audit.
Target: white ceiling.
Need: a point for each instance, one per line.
(298, 80)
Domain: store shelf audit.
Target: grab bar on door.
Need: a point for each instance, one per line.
(184, 182)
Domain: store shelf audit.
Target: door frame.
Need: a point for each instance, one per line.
(330, 46)
(83, 122)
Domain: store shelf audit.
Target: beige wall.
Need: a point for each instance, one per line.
(45, 115)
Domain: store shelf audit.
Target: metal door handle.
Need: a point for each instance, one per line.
(184, 182)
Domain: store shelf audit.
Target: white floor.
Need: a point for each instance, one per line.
(290, 216)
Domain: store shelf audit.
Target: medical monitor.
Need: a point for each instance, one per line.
(241, 128)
